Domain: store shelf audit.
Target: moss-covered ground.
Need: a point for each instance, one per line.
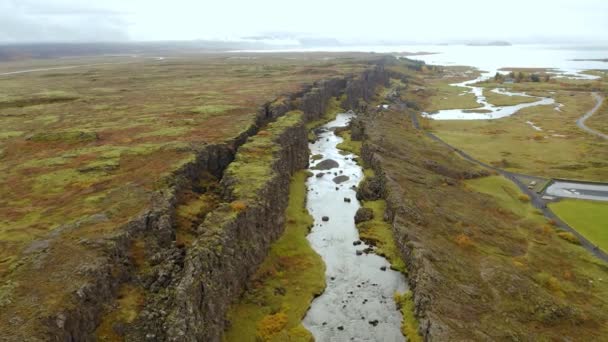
(254, 162)
(285, 284)
(589, 218)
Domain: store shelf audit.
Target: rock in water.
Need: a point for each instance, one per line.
(340, 179)
(325, 218)
(326, 165)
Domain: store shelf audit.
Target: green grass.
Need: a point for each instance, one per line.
(293, 268)
(446, 96)
(253, 163)
(506, 100)
(409, 326)
(507, 195)
(378, 232)
(589, 218)
(560, 150)
(349, 145)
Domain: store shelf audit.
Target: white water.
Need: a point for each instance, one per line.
(358, 291)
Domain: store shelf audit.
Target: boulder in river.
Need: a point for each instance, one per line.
(364, 214)
(325, 218)
(347, 199)
(319, 175)
(326, 165)
(340, 179)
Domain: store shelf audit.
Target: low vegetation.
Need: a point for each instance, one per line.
(410, 325)
(560, 149)
(378, 233)
(285, 284)
(488, 253)
(253, 163)
(506, 100)
(589, 218)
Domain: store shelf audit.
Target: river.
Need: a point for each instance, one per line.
(358, 303)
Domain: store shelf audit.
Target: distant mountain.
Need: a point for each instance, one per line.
(591, 60)
(493, 43)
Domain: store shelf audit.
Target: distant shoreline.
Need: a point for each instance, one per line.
(590, 60)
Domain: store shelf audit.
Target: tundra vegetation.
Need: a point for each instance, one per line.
(558, 149)
(475, 251)
(84, 150)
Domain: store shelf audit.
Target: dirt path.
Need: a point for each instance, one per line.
(535, 199)
(581, 121)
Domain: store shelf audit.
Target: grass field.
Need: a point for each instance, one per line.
(285, 284)
(506, 100)
(590, 218)
(560, 149)
(446, 96)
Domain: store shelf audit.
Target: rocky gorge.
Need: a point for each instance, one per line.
(183, 289)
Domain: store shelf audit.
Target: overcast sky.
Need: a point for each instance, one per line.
(403, 20)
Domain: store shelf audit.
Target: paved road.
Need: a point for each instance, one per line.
(535, 198)
(581, 121)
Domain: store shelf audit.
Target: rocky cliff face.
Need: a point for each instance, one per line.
(231, 247)
(189, 288)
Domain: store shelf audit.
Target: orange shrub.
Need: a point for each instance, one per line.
(238, 205)
(264, 133)
(464, 241)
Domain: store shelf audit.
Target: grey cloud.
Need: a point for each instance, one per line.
(39, 21)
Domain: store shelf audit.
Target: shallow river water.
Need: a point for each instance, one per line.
(358, 303)
(493, 112)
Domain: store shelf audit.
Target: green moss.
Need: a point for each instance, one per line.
(165, 132)
(348, 145)
(285, 284)
(378, 232)
(58, 181)
(213, 109)
(253, 163)
(10, 134)
(409, 326)
(69, 137)
(129, 303)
